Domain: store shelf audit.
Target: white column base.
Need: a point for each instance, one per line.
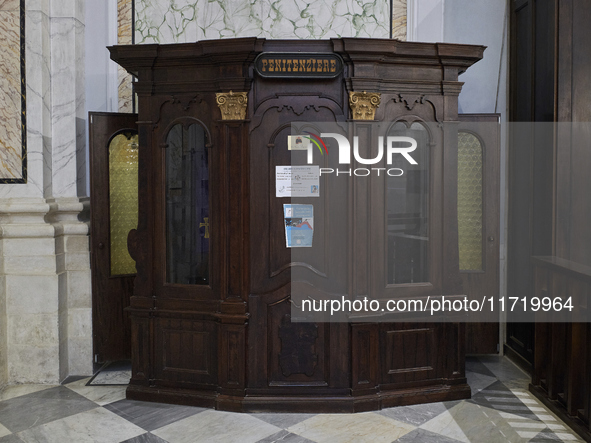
(45, 297)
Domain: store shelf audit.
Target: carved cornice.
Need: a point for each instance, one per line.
(185, 102)
(364, 104)
(232, 105)
(409, 100)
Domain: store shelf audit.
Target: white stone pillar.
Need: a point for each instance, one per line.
(45, 299)
(68, 182)
(74, 288)
(29, 289)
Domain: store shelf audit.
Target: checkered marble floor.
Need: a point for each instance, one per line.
(501, 410)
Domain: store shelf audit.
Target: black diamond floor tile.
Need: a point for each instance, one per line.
(145, 438)
(151, 416)
(24, 412)
(424, 436)
(285, 437)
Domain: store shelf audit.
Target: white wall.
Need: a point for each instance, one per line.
(101, 71)
(424, 20)
(480, 22)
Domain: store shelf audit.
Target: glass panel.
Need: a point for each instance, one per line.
(123, 199)
(408, 210)
(187, 206)
(470, 201)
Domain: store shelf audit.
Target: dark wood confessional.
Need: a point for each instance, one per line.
(211, 308)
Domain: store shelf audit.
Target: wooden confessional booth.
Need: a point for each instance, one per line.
(211, 307)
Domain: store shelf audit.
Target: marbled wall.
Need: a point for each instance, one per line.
(68, 150)
(399, 19)
(11, 152)
(124, 37)
(174, 21)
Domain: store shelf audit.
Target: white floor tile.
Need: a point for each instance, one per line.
(101, 395)
(216, 426)
(94, 426)
(351, 428)
(4, 431)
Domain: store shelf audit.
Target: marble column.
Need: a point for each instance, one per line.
(124, 37)
(399, 19)
(45, 303)
(68, 184)
(73, 272)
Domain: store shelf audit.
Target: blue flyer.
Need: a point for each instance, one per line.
(299, 225)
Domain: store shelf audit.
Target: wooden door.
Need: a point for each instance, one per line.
(113, 206)
(478, 223)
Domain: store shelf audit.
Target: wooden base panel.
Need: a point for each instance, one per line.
(300, 404)
(555, 406)
(516, 358)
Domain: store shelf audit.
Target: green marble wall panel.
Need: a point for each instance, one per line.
(175, 21)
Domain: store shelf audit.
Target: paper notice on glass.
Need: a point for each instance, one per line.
(297, 181)
(298, 142)
(299, 225)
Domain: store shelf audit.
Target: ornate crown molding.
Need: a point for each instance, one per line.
(364, 104)
(410, 101)
(232, 105)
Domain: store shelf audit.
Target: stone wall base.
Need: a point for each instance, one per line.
(45, 295)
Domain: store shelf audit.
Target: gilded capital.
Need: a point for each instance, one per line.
(232, 105)
(364, 104)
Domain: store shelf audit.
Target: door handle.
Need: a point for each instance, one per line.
(101, 245)
(491, 238)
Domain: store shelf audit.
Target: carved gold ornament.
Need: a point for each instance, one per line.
(364, 104)
(232, 105)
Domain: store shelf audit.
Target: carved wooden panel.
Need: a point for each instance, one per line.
(298, 352)
(268, 150)
(140, 341)
(186, 351)
(232, 149)
(410, 352)
(561, 371)
(364, 355)
(232, 356)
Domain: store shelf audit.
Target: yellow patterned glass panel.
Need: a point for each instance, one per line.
(123, 199)
(470, 201)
